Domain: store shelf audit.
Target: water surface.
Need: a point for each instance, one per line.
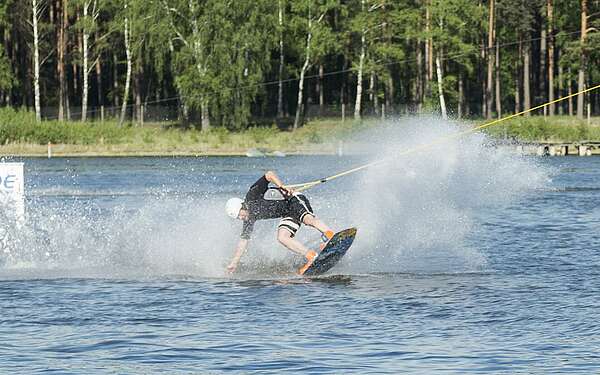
(121, 271)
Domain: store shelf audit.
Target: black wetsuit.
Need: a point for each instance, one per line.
(292, 209)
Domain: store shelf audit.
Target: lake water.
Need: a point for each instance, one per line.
(474, 262)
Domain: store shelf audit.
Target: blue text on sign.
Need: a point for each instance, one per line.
(8, 182)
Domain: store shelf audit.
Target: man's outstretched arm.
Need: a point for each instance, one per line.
(239, 251)
(275, 180)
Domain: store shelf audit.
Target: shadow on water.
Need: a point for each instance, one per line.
(341, 280)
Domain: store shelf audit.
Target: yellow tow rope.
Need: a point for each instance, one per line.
(310, 184)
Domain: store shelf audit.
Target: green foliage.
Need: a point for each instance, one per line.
(222, 57)
(386, 24)
(261, 133)
(222, 53)
(558, 129)
(311, 29)
(21, 127)
(313, 136)
(453, 23)
(148, 137)
(220, 134)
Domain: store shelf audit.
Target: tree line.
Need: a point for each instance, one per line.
(228, 62)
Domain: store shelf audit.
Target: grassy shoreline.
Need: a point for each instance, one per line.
(61, 150)
(21, 136)
(539, 129)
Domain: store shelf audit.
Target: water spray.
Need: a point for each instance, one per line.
(307, 185)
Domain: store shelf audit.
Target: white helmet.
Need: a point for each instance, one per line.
(233, 207)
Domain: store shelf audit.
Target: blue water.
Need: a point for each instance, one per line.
(121, 271)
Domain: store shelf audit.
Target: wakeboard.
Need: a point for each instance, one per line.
(333, 251)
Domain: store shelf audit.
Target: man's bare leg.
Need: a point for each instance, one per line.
(286, 239)
(313, 221)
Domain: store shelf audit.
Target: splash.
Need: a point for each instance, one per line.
(418, 212)
(415, 213)
(165, 236)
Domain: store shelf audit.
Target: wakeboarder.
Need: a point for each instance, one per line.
(294, 209)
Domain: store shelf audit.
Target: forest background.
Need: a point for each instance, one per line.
(87, 71)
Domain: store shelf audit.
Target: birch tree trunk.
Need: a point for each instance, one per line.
(389, 88)
(301, 83)
(7, 49)
(570, 90)
(543, 56)
(427, 91)
(36, 10)
(205, 116)
(321, 89)
(128, 77)
(482, 58)
(389, 95)
(429, 45)
(361, 62)
(137, 90)
(419, 77)
(582, 60)
(561, 78)
(281, 63)
(88, 18)
(199, 57)
(497, 84)
(343, 89)
(61, 49)
(73, 62)
(461, 95)
(517, 93)
(438, 66)
(99, 87)
(526, 75)
(115, 80)
(302, 74)
(490, 61)
(549, 8)
(373, 93)
(371, 87)
(518, 77)
(86, 37)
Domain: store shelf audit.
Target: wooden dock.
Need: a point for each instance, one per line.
(581, 148)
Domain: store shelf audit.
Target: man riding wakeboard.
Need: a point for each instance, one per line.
(294, 210)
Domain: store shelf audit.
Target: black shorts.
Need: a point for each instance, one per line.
(299, 206)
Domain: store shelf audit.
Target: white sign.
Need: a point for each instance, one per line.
(12, 188)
